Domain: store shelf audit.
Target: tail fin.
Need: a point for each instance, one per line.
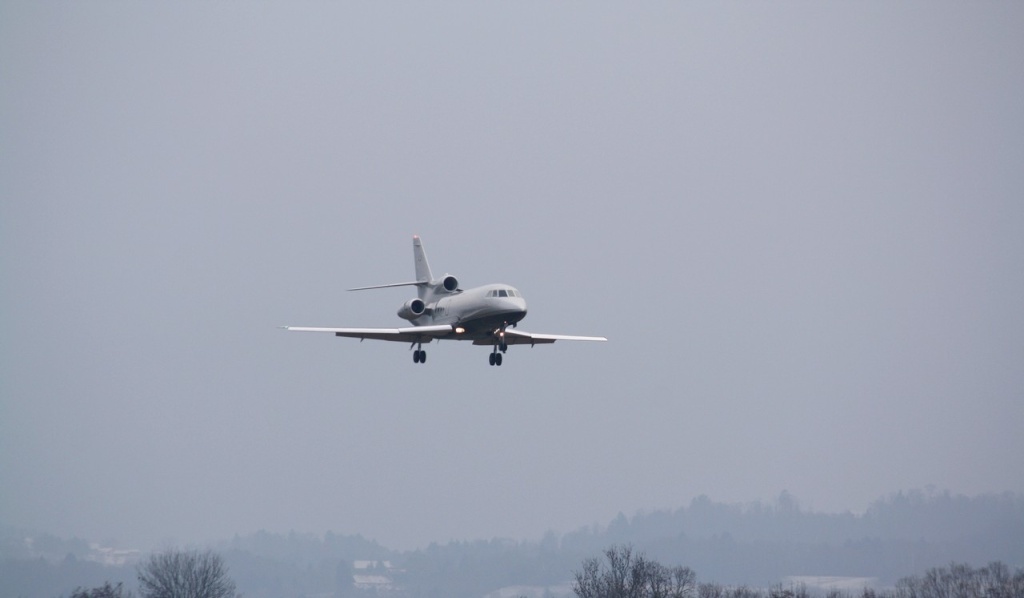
(422, 267)
(423, 275)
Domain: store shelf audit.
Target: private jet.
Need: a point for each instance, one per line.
(486, 315)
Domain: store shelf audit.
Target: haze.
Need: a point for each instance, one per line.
(800, 225)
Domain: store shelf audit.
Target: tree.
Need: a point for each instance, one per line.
(963, 581)
(104, 591)
(626, 575)
(185, 574)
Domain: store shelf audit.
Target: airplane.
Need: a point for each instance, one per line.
(485, 315)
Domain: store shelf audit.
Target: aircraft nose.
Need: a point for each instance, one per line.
(513, 306)
(520, 304)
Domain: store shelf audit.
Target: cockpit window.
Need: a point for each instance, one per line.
(503, 293)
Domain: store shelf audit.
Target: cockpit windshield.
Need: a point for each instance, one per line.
(503, 293)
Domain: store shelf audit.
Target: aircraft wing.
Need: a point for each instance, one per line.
(521, 337)
(412, 334)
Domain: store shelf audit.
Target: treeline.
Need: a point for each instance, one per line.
(622, 573)
(41, 578)
(754, 545)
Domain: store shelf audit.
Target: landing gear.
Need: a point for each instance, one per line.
(419, 356)
(500, 346)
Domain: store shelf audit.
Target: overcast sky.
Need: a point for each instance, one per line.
(801, 226)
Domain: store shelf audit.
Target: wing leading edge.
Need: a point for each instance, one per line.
(412, 334)
(521, 337)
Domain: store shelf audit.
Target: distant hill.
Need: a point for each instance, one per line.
(757, 544)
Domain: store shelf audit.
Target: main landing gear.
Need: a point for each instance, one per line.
(495, 357)
(419, 355)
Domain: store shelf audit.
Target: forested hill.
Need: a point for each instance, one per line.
(756, 544)
(914, 515)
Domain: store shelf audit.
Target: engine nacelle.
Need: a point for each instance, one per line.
(412, 309)
(450, 283)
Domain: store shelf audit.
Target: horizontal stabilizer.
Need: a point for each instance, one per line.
(394, 284)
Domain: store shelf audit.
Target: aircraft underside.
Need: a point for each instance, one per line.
(487, 330)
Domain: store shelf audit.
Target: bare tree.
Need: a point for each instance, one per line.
(963, 581)
(710, 590)
(185, 574)
(105, 591)
(625, 575)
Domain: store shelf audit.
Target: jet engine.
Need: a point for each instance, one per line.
(450, 283)
(412, 309)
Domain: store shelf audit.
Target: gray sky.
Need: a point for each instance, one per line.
(800, 224)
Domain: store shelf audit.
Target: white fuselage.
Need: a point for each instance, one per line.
(479, 310)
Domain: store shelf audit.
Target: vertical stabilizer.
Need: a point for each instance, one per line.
(422, 267)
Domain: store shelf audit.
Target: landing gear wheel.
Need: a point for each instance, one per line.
(419, 355)
(490, 358)
(497, 359)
